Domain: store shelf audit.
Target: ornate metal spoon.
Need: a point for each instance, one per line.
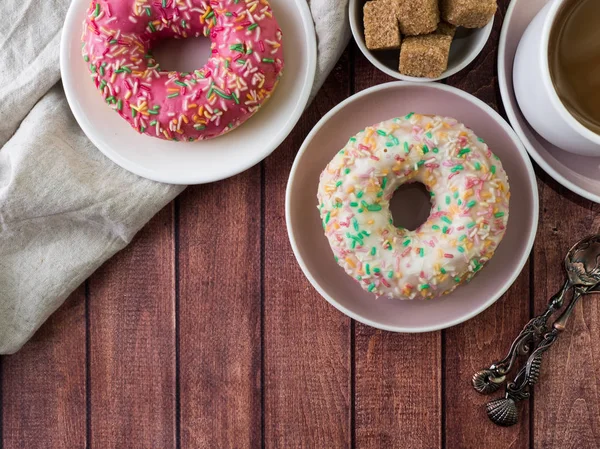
(583, 269)
(489, 380)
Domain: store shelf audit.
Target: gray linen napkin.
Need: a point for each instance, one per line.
(64, 207)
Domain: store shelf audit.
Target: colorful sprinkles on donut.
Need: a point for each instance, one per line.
(241, 74)
(469, 194)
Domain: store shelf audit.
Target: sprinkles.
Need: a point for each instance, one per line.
(469, 193)
(203, 104)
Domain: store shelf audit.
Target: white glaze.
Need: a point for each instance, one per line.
(470, 197)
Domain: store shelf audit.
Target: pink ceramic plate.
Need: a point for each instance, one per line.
(312, 250)
(580, 174)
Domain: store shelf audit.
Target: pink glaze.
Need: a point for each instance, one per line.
(241, 74)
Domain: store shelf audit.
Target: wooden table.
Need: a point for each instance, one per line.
(204, 333)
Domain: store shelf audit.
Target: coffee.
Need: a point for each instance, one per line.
(574, 59)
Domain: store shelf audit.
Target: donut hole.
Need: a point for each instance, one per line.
(182, 55)
(410, 206)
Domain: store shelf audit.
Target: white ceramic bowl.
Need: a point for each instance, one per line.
(466, 45)
(196, 162)
(312, 249)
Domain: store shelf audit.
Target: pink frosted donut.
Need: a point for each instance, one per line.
(240, 76)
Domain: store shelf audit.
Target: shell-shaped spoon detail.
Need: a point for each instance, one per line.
(503, 412)
(485, 382)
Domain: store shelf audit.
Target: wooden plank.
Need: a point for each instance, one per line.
(398, 377)
(219, 269)
(477, 343)
(43, 385)
(132, 343)
(567, 397)
(398, 389)
(306, 341)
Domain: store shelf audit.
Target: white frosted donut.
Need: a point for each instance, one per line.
(469, 194)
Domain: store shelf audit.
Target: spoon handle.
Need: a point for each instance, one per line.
(529, 375)
(488, 380)
(561, 323)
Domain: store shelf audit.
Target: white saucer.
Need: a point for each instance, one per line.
(577, 173)
(198, 162)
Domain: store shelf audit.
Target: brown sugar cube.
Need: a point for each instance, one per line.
(425, 56)
(417, 16)
(381, 27)
(446, 29)
(468, 13)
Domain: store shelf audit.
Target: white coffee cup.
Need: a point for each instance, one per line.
(536, 94)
